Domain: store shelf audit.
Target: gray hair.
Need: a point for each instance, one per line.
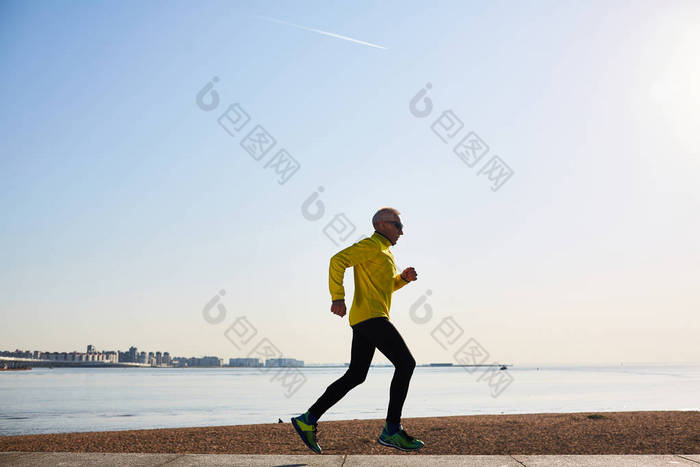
(384, 214)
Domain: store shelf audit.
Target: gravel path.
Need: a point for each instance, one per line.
(577, 433)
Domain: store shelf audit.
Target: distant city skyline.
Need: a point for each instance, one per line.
(150, 358)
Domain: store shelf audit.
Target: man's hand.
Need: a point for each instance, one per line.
(409, 274)
(338, 307)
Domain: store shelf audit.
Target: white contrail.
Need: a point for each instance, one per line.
(325, 33)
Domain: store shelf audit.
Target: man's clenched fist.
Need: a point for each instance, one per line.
(338, 307)
(409, 274)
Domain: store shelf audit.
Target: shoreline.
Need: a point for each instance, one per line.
(639, 432)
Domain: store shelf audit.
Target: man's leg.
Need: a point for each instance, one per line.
(360, 358)
(386, 337)
(382, 334)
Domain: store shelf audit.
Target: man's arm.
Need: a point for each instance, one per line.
(350, 256)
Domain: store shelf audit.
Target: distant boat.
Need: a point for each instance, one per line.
(503, 367)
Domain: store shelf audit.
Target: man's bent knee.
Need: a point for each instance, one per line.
(355, 378)
(406, 365)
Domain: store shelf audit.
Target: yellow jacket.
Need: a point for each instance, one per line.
(376, 277)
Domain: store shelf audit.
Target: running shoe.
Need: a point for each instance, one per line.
(400, 440)
(307, 432)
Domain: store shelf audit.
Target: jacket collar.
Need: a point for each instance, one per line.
(382, 239)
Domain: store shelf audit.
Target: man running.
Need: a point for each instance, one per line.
(376, 278)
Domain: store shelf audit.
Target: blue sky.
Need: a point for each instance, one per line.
(125, 207)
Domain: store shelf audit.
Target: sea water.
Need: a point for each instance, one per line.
(44, 400)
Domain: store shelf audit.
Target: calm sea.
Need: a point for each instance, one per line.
(57, 400)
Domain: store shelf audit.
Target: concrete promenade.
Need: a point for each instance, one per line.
(515, 460)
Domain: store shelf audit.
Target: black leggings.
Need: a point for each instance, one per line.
(366, 336)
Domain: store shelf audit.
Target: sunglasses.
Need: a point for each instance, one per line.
(398, 225)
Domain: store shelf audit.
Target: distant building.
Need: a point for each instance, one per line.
(179, 361)
(285, 362)
(210, 361)
(112, 356)
(244, 362)
(198, 361)
(91, 349)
